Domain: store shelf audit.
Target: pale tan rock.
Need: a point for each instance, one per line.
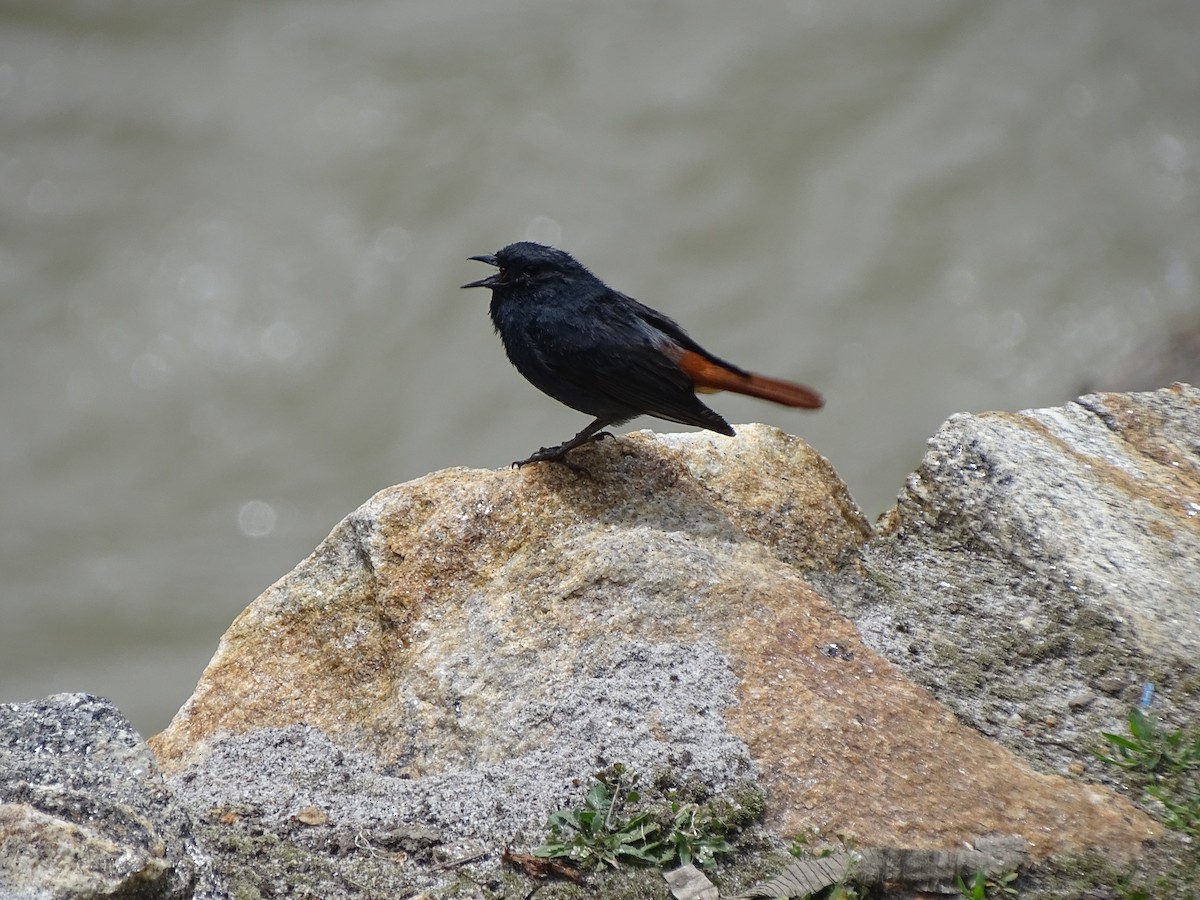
(468, 620)
(1041, 568)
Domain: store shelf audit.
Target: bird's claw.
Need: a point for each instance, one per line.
(552, 454)
(558, 453)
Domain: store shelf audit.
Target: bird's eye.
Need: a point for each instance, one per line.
(531, 269)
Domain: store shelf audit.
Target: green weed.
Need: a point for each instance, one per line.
(983, 888)
(1169, 766)
(615, 826)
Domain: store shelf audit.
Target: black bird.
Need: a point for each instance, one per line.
(606, 354)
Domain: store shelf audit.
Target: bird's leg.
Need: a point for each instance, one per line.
(559, 454)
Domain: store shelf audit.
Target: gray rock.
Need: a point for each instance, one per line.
(464, 651)
(459, 656)
(1041, 567)
(83, 809)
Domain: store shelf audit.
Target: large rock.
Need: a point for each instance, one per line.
(460, 654)
(83, 808)
(1040, 569)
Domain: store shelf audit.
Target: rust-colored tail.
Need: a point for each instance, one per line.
(708, 376)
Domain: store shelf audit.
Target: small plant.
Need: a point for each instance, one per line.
(600, 831)
(1147, 749)
(984, 888)
(616, 826)
(799, 846)
(976, 890)
(1169, 763)
(1004, 884)
(1181, 809)
(694, 836)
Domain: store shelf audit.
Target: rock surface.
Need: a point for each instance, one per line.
(1040, 568)
(83, 808)
(482, 641)
(465, 651)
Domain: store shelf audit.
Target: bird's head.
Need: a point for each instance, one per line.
(529, 266)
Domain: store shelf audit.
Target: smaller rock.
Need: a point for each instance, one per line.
(83, 808)
(310, 815)
(689, 883)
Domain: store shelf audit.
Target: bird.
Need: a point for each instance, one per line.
(605, 354)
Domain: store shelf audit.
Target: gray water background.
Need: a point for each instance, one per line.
(232, 234)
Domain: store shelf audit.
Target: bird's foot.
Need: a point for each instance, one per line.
(552, 454)
(543, 454)
(559, 453)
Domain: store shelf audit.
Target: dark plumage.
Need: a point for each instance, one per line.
(604, 353)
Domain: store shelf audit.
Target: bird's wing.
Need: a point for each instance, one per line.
(653, 384)
(642, 377)
(675, 333)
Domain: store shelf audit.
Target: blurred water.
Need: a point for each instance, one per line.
(231, 237)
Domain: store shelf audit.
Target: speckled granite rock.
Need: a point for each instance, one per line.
(486, 639)
(1041, 567)
(83, 809)
(465, 650)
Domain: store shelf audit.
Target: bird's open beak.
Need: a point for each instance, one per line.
(492, 280)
